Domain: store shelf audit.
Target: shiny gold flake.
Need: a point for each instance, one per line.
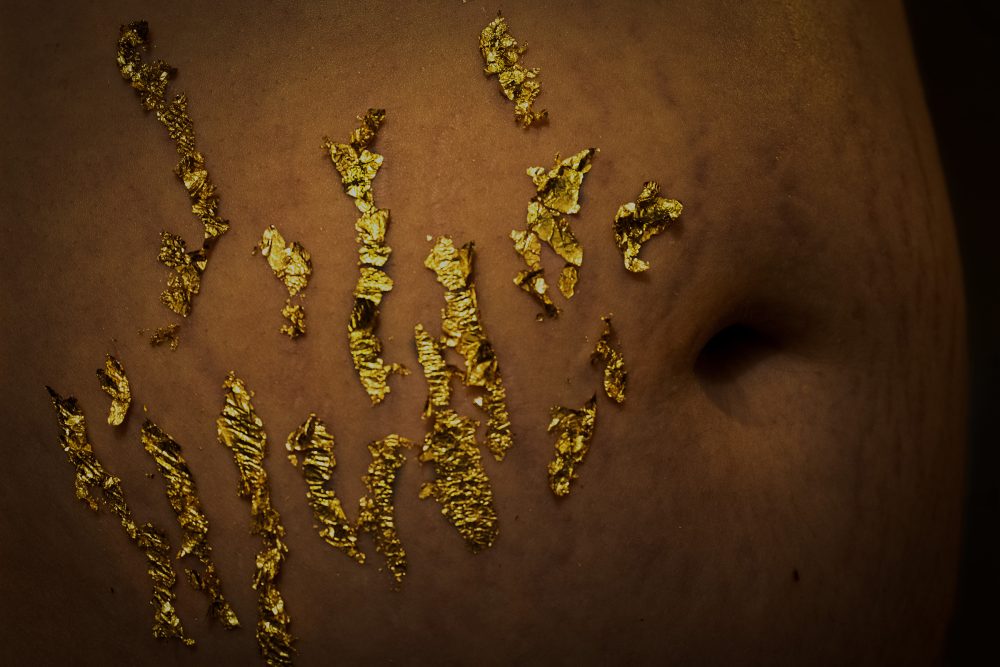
(558, 195)
(461, 485)
(463, 330)
(183, 497)
(314, 444)
(242, 431)
(292, 265)
(377, 515)
(638, 221)
(150, 81)
(357, 167)
(615, 375)
(167, 335)
(92, 477)
(520, 85)
(115, 384)
(573, 429)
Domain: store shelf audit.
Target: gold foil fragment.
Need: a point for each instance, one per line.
(183, 497)
(615, 375)
(573, 429)
(92, 477)
(314, 444)
(115, 384)
(377, 515)
(242, 432)
(150, 81)
(461, 485)
(557, 195)
(463, 330)
(638, 221)
(167, 335)
(357, 167)
(520, 85)
(292, 265)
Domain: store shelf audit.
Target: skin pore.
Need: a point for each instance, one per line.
(782, 484)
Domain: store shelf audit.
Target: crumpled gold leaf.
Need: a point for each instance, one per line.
(520, 85)
(150, 81)
(557, 195)
(615, 375)
(167, 335)
(92, 477)
(574, 430)
(292, 265)
(314, 444)
(115, 384)
(242, 432)
(638, 221)
(357, 167)
(376, 514)
(463, 331)
(183, 497)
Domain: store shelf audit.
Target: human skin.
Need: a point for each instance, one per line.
(788, 492)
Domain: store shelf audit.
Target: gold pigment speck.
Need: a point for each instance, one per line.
(115, 384)
(357, 167)
(91, 477)
(242, 432)
(573, 430)
(637, 222)
(183, 497)
(167, 335)
(519, 84)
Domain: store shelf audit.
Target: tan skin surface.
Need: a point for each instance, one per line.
(785, 496)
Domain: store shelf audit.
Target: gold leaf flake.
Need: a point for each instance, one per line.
(242, 432)
(520, 85)
(91, 477)
(165, 335)
(463, 330)
(292, 265)
(574, 430)
(615, 375)
(638, 221)
(115, 384)
(377, 515)
(150, 81)
(557, 195)
(314, 444)
(357, 167)
(183, 497)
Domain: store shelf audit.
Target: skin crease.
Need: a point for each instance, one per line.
(784, 497)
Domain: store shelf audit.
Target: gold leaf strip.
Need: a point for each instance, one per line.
(357, 167)
(376, 513)
(242, 432)
(292, 265)
(91, 477)
(615, 375)
(115, 384)
(637, 222)
(463, 330)
(520, 85)
(183, 497)
(574, 430)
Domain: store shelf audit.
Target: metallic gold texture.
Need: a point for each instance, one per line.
(150, 81)
(637, 222)
(314, 444)
(242, 431)
(292, 265)
(357, 167)
(115, 384)
(183, 497)
(463, 331)
(91, 477)
(461, 485)
(377, 515)
(574, 430)
(557, 195)
(615, 375)
(167, 335)
(520, 85)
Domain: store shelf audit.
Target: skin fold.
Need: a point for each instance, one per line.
(782, 484)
